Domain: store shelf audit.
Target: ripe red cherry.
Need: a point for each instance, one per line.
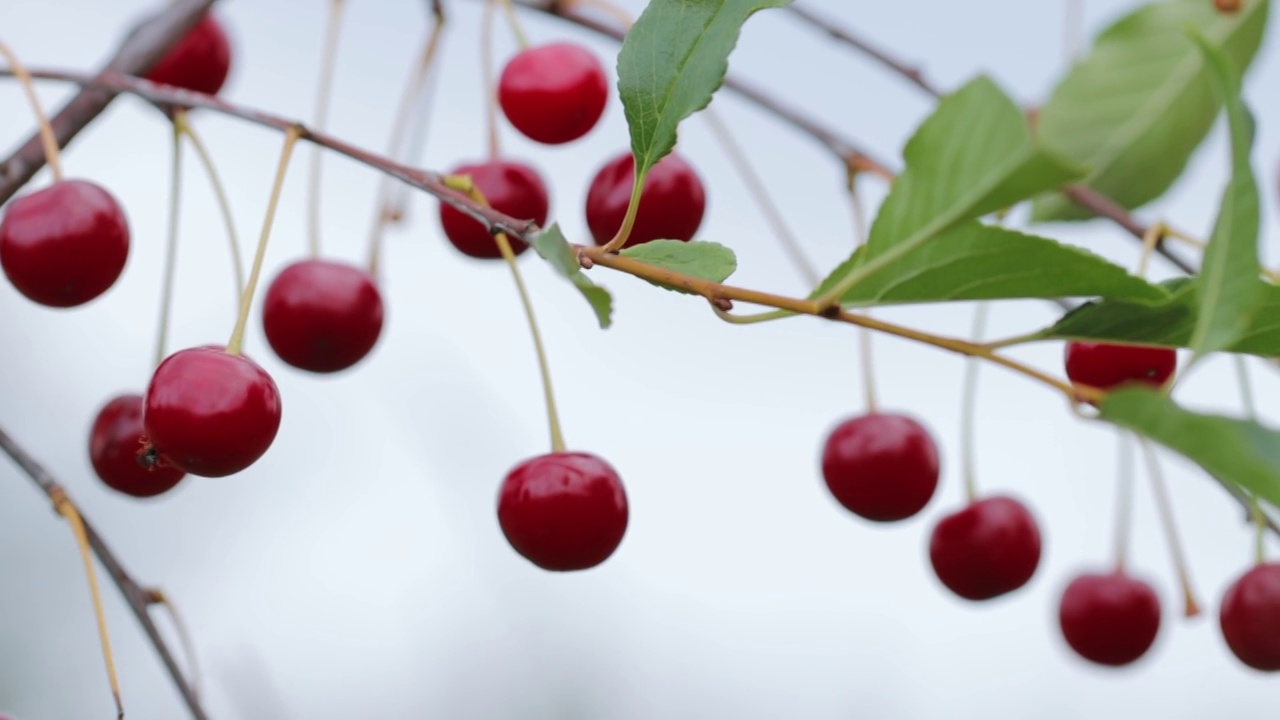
(989, 548)
(563, 511)
(210, 413)
(1106, 366)
(200, 61)
(553, 93)
(1250, 617)
(1109, 619)
(114, 442)
(883, 467)
(64, 245)
(510, 187)
(322, 316)
(671, 203)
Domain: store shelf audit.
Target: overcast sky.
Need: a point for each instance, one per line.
(358, 569)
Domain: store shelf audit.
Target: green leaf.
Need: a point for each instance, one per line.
(1228, 285)
(704, 260)
(1139, 105)
(1168, 323)
(552, 247)
(1239, 452)
(672, 61)
(972, 156)
(982, 262)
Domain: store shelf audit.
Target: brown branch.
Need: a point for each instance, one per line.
(911, 73)
(138, 598)
(142, 48)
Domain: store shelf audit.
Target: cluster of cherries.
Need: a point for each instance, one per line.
(211, 412)
(884, 467)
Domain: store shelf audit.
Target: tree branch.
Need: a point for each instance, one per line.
(138, 598)
(142, 48)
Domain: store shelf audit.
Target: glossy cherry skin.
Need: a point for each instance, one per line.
(563, 511)
(1106, 366)
(988, 549)
(1110, 619)
(553, 93)
(881, 466)
(510, 187)
(64, 245)
(672, 201)
(114, 443)
(210, 413)
(200, 61)
(322, 316)
(1250, 617)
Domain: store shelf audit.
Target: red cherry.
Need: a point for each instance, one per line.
(563, 511)
(989, 548)
(510, 187)
(64, 245)
(211, 413)
(322, 316)
(883, 467)
(671, 203)
(200, 61)
(114, 442)
(1109, 619)
(1106, 366)
(1250, 617)
(553, 93)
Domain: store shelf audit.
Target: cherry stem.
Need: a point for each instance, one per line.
(1191, 608)
(409, 101)
(63, 505)
(633, 207)
(864, 335)
(171, 241)
(47, 139)
(1251, 412)
(236, 344)
(763, 199)
(328, 62)
(487, 78)
(1124, 498)
(1150, 239)
(968, 407)
(220, 195)
(463, 183)
(619, 14)
(1246, 387)
(1260, 530)
(750, 319)
(157, 597)
(521, 39)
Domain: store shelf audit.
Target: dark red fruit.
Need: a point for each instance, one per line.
(64, 245)
(553, 93)
(114, 443)
(510, 187)
(883, 467)
(1106, 366)
(210, 413)
(671, 203)
(989, 548)
(1109, 619)
(1250, 617)
(563, 511)
(200, 61)
(322, 316)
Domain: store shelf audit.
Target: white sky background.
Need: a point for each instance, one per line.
(358, 569)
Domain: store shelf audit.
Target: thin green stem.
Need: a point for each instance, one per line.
(236, 344)
(463, 183)
(219, 194)
(48, 140)
(1124, 499)
(770, 316)
(763, 199)
(968, 407)
(865, 339)
(521, 39)
(171, 241)
(633, 207)
(1191, 608)
(487, 78)
(328, 62)
(1246, 387)
(1011, 341)
(1260, 530)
